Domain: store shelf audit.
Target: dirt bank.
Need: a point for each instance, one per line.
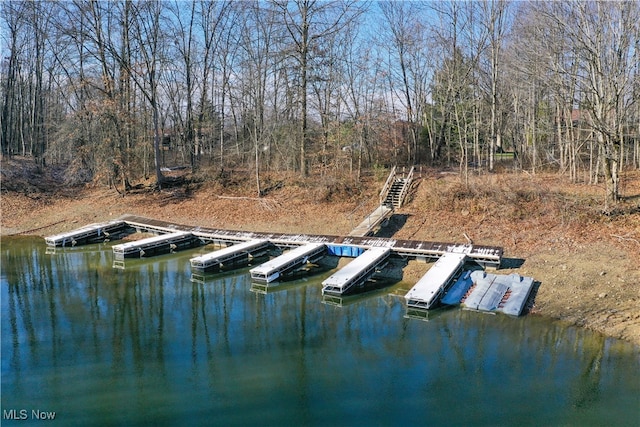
(586, 261)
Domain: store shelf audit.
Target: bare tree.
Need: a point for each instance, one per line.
(409, 64)
(309, 23)
(604, 38)
(13, 18)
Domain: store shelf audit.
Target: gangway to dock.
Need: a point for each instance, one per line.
(374, 219)
(92, 233)
(156, 245)
(230, 256)
(356, 272)
(426, 293)
(391, 197)
(288, 262)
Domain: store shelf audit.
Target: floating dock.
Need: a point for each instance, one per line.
(156, 245)
(233, 255)
(489, 256)
(356, 272)
(288, 262)
(488, 292)
(93, 233)
(475, 290)
(428, 290)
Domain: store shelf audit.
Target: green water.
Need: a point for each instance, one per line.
(147, 346)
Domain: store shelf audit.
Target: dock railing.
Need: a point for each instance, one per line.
(387, 184)
(407, 184)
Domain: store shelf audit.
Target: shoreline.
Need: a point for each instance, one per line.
(586, 281)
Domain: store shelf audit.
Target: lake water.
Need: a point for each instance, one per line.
(148, 346)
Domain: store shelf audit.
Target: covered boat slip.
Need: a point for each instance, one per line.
(356, 272)
(156, 245)
(427, 291)
(288, 262)
(230, 256)
(92, 233)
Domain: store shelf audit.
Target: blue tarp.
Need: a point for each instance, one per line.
(458, 290)
(345, 250)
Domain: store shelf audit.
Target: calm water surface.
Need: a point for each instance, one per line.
(148, 346)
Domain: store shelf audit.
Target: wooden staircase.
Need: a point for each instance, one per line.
(396, 188)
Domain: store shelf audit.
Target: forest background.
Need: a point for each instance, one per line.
(120, 91)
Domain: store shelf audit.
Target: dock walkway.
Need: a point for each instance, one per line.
(374, 219)
(490, 256)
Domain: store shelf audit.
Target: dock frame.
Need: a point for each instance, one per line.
(486, 256)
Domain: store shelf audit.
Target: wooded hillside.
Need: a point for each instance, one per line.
(119, 90)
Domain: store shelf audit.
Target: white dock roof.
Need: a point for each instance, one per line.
(154, 239)
(438, 275)
(229, 250)
(344, 276)
(275, 264)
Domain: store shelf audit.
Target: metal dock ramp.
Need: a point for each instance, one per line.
(427, 292)
(374, 219)
(356, 272)
(230, 256)
(391, 197)
(288, 262)
(164, 243)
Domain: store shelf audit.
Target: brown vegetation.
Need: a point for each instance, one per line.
(585, 260)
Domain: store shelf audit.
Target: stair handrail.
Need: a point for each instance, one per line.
(405, 186)
(387, 184)
(410, 174)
